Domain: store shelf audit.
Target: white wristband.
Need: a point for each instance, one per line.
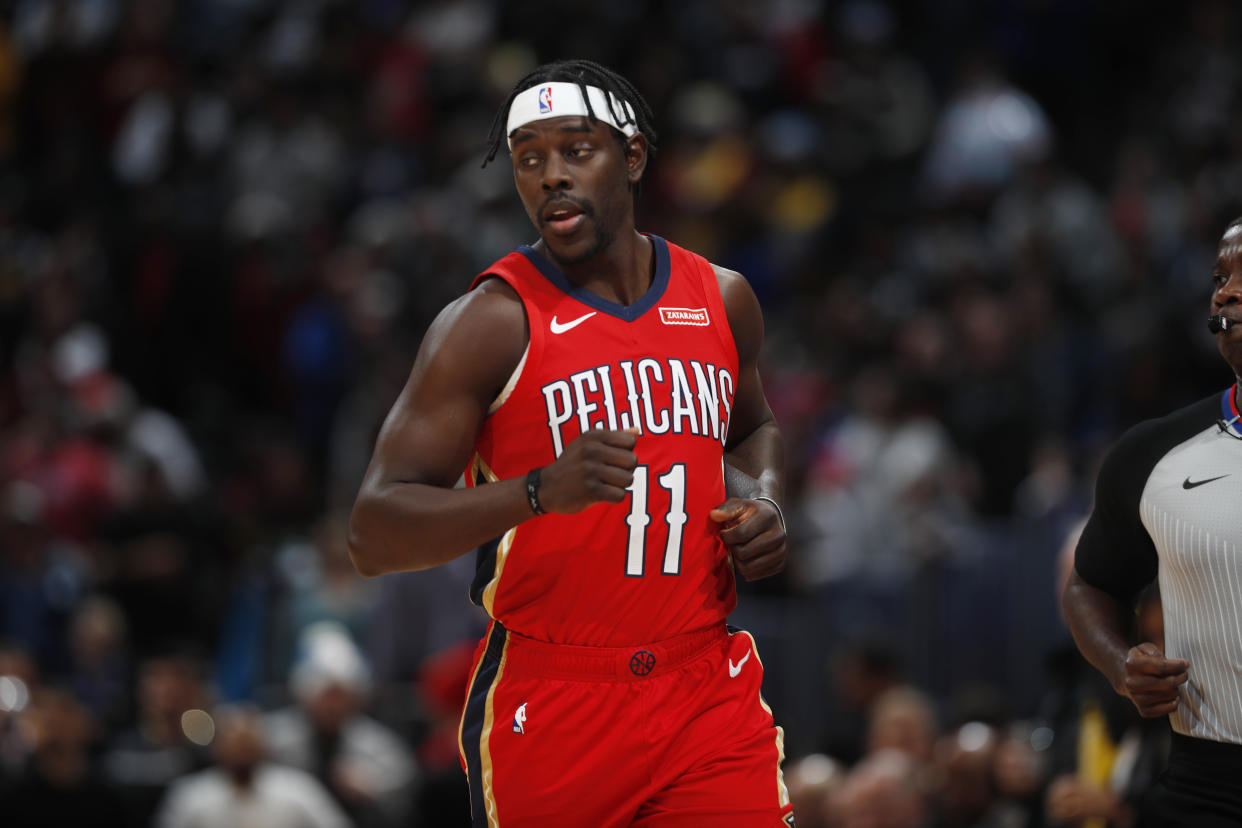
(775, 506)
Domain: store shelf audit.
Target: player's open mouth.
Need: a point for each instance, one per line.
(563, 218)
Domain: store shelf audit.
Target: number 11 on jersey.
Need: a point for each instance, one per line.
(674, 482)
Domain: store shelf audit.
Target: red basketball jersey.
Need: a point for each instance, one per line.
(652, 566)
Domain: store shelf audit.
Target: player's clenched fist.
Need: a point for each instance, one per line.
(754, 534)
(595, 467)
(1151, 680)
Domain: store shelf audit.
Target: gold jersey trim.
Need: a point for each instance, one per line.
(782, 792)
(503, 547)
(485, 753)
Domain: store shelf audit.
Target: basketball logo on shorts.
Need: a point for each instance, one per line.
(642, 662)
(519, 719)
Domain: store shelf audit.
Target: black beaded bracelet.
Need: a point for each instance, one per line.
(532, 491)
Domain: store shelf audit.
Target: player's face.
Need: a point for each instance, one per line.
(574, 178)
(1227, 295)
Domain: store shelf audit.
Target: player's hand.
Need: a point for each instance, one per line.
(752, 531)
(1151, 680)
(595, 467)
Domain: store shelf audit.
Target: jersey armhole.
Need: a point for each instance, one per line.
(534, 341)
(716, 308)
(510, 385)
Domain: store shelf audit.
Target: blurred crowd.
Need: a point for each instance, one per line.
(981, 233)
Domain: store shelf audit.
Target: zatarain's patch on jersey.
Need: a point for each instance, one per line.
(684, 316)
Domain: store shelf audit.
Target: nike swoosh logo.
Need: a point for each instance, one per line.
(560, 328)
(1186, 484)
(734, 669)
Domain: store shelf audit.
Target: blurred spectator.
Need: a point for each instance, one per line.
(101, 667)
(41, 577)
(60, 785)
(320, 584)
(882, 496)
(363, 764)
(903, 719)
(863, 672)
(883, 791)
(443, 680)
(987, 130)
(1021, 765)
(19, 679)
(881, 98)
(165, 572)
(166, 740)
(243, 788)
(420, 614)
(968, 796)
(813, 781)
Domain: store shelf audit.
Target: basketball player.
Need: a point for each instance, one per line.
(1167, 506)
(600, 388)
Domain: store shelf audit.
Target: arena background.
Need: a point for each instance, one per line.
(981, 233)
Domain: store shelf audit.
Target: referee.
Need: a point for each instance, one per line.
(1168, 505)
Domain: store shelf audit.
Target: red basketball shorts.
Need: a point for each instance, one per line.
(662, 735)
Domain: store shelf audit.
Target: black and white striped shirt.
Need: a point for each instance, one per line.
(1169, 505)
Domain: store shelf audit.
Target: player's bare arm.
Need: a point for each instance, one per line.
(1141, 673)
(754, 456)
(408, 515)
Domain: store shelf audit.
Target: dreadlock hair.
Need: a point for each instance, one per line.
(584, 73)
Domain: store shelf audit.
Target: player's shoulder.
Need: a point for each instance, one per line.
(483, 331)
(495, 293)
(730, 280)
(742, 310)
(735, 291)
(492, 302)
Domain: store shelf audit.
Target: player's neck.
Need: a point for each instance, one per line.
(621, 272)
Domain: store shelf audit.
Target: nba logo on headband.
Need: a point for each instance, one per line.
(535, 103)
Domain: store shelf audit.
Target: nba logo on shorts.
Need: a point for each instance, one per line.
(519, 719)
(545, 100)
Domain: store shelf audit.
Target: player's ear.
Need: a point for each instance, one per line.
(635, 157)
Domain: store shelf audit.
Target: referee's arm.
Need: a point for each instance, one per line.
(1098, 622)
(1115, 559)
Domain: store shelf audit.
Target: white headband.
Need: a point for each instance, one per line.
(554, 99)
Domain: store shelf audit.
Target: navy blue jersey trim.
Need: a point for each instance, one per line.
(625, 313)
(484, 570)
(473, 718)
(484, 559)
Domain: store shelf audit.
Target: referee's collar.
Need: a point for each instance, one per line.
(1229, 411)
